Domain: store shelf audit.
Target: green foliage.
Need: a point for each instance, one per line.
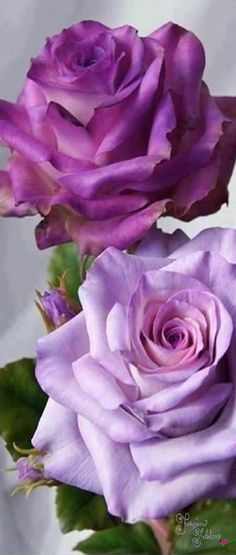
(207, 519)
(66, 257)
(79, 510)
(21, 404)
(123, 539)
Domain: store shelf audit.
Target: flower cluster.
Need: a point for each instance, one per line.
(111, 131)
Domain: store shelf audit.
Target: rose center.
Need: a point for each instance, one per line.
(174, 338)
(88, 56)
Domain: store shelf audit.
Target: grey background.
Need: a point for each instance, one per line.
(29, 527)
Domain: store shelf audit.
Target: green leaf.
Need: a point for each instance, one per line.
(124, 539)
(79, 510)
(209, 522)
(66, 257)
(21, 404)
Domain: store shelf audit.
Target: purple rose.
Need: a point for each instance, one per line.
(112, 130)
(141, 384)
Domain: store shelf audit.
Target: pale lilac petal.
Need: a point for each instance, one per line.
(221, 241)
(98, 383)
(56, 353)
(168, 397)
(192, 415)
(207, 267)
(162, 459)
(228, 490)
(117, 330)
(67, 459)
(160, 244)
(58, 350)
(132, 498)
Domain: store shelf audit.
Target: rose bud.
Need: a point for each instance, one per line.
(29, 468)
(56, 307)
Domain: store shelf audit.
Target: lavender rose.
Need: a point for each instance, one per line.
(141, 384)
(112, 130)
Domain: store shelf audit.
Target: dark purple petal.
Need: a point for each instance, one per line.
(31, 184)
(164, 122)
(52, 229)
(94, 236)
(8, 204)
(184, 65)
(16, 132)
(90, 183)
(136, 108)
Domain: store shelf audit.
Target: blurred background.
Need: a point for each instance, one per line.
(29, 527)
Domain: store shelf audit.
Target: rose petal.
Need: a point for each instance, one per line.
(159, 244)
(136, 108)
(153, 286)
(206, 267)
(163, 123)
(131, 498)
(221, 241)
(192, 415)
(89, 183)
(95, 236)
(8, 205)
(98, 383)
(172, 453)
(117, 330)
(16, 132)
(111, 279)
(67, 459)
(52, 230)
(30, 183)
(56, 353)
